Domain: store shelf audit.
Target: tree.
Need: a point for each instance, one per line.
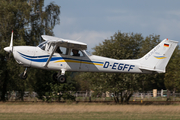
(12, 17)
(172, 76)
(28, 21)
(59, 91)
(149, 81)
(123, 46)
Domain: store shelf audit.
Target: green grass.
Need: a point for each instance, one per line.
(88, 116)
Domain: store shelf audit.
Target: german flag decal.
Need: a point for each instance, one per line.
(166, 45)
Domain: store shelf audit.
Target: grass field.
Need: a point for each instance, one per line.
(54, 111)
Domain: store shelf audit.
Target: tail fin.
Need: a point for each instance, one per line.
(157, 59)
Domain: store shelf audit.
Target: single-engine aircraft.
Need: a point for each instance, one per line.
(69, 55)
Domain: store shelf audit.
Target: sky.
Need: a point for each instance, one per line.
(93, 21)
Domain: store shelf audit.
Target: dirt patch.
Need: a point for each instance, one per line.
(77, 108)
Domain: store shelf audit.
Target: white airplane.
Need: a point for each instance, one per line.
(68, 55)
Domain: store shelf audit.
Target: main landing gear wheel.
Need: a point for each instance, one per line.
(60, 76)
(23, 76)
(61, 79)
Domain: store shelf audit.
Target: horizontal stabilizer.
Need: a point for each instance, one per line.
(150, 70)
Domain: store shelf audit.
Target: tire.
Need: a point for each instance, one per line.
(62, 79)
(22, 76)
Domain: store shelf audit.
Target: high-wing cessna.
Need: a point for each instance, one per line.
(68, 55)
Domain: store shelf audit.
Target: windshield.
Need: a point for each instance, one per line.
(42, 45)
(88, 53)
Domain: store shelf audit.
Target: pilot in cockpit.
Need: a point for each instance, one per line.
(75, 52)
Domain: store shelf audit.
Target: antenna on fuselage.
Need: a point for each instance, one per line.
(78, 38)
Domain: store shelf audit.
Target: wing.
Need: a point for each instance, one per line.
(65, 43)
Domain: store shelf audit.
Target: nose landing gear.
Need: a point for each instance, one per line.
(24, 75)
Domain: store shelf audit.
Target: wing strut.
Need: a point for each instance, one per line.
(55, 47)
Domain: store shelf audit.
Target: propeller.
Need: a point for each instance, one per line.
(10, 48)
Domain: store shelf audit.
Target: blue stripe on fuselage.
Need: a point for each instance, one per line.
(44, 58)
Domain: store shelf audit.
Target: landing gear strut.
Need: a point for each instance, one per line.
(60, 78)
(24, 75)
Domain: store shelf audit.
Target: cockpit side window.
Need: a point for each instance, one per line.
(88, 53)
(62, 50)
(49, 47)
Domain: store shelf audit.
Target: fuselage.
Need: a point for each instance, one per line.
(30, 56)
